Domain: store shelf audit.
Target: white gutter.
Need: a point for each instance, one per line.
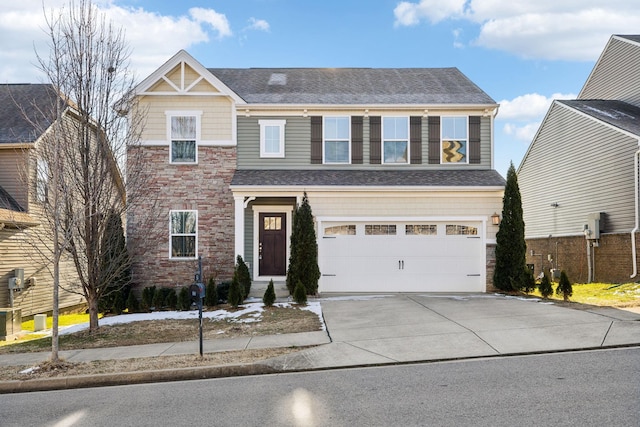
(636, 163)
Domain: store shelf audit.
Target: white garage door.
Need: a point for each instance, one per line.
(401, 257)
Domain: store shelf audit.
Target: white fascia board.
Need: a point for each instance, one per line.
(252, 189)
(374, 107)
(184, 56)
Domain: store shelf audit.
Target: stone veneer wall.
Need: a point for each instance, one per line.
(203, 187)
(491, 267)
(613, 263)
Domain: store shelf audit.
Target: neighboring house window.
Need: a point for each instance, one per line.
(395, 139)
(42, 180)
(183, 134)
(183, 234)
(454, 139)
(336, 140)
(272, 138)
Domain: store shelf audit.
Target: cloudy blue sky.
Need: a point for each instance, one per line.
(522, 53)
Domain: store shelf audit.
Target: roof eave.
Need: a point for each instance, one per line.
(367, 188)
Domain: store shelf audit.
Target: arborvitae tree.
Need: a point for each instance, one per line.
(529, 281)
(300, 294)
(244, 277)
(511, 247)
(157, 301)
(118, 304)
(184, 300)
(303, 261)
(211, 294)
(115, 265)
(172, 299)
(132, 303)
(269, 295)
(564, 287)
(545, 287)
(235, 292)
(147, 297)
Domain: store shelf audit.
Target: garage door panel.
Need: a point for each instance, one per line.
(402, 263)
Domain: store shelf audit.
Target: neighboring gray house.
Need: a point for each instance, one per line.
(579, 178)
(397, 165)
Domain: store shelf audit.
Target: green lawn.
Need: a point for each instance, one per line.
(603, 294)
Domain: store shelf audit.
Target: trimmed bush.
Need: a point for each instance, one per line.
(118, 303)
(211, 293)
(184, 300)
(529, 281)
(132, 303)
(147, 297)
(564, 287)
(545, 288)
(223, 291)
(269, 295)
(235, 292)
(244, 277)
(300, 294)
(172, 299)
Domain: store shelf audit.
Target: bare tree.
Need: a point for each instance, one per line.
(88, 66)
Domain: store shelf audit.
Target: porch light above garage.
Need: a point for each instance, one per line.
(495, 219)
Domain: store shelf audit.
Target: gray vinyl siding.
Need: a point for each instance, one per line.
(598, 176)
(12, 175)
(298, 146)
(616, 74)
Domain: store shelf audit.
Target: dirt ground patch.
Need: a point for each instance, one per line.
(272, 321)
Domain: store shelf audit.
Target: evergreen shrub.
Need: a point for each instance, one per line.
(269, 295)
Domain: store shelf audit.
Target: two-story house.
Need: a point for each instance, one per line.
(26, 115)
(397, 165)
(579, 179)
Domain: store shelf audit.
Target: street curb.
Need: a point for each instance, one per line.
(128, 378)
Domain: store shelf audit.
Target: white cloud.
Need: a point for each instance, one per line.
(521, 116)
(408, 13)
(152, 37)
(217, 20)
(544, 29)
(258, 24)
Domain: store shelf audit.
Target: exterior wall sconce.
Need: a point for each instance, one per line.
(495, 219)
(554, 205)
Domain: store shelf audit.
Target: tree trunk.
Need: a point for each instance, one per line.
(92, 300)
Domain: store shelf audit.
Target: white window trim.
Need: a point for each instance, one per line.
(442, 162)
(263, 124)
(382, 141)
(193, 113)
(171, 257)
(324, 141)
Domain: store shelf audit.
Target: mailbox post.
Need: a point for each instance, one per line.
(197, 292)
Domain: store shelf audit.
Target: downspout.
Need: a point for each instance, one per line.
(636, 163)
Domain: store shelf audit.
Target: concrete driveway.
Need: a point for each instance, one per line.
(370, 330)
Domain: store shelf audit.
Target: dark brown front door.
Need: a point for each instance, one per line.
(272, 246)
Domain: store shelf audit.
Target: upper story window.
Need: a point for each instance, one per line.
(42, 180)
(395, 139)
(454, 139)
(183, 234)
(336, 147)
(184, 131)
(272, 138)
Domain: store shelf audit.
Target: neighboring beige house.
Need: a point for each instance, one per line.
(397, 165)
(579, 178)
(25, 116)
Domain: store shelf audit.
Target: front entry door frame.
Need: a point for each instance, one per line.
(261, 209)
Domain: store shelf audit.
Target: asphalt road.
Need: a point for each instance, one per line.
(594, 388)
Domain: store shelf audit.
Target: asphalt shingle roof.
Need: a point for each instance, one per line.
(632, 37)
(352, 86)
(369, 178)
(616, 113)
(36, 100)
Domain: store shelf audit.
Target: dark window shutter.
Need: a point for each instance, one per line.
(415, 136)
(316, 140)
(434, 140)
(375, 140)
(356, 140)
(474, 139)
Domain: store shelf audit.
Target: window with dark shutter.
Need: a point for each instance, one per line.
(356, 140)
(375, 140)
(415, 136)
(474, 139)
(316, 140)
(434, 140)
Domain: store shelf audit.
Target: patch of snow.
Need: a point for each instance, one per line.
(30, 370)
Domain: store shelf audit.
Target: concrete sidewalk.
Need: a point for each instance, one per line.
(385, 329)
